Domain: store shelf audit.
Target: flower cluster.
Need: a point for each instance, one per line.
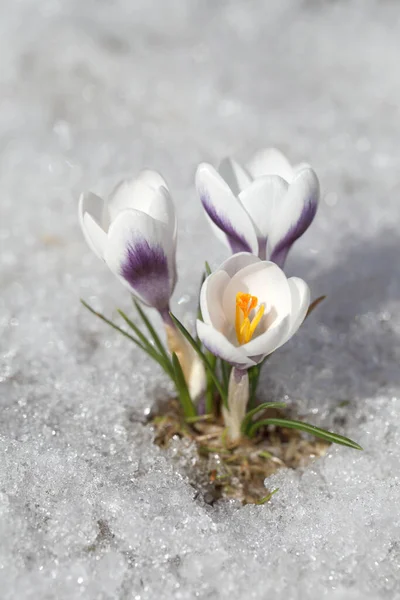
(248, 308)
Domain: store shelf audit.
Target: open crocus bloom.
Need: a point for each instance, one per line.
(250, 309)
(134, 232)
(262, 208)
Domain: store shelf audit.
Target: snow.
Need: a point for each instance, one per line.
(92, 92)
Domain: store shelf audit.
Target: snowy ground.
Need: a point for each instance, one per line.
(91, 92)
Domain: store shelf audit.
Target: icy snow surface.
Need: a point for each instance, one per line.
(91, 92)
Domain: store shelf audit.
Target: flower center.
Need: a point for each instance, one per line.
(245, 327)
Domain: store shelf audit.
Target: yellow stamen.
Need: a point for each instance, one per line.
(245, 327)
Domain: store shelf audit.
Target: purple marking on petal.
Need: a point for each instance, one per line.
(307, 215)
(236, 241)
(146, 270)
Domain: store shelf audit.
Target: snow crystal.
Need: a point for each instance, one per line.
(92, 92)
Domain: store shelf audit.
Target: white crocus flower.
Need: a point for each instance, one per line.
(262, 208)
(134, 231)
(249, 309)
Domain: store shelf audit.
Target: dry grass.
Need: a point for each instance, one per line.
(235, 471)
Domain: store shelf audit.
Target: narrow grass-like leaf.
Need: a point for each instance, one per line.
(148, 349)
(210, 384)
(151, 330)
(226, 372)
(203, 357)
(254, 375)
(199, 418)
(247, 419)
(199, 313)
(135, 328)
(188, 407)
(335, 438)
(267, 498)
(207, 269)
(314, 305)
(265, 454)
(146, 342)
(212, 450)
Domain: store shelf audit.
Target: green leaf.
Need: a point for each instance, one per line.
(188, 407)
(200, 418)
(210, 384)
(135, 328)
(267, 498)
(148, 349)
(207, 269)
(152, 331)
(265, 454)
(145, 341)
(247, 419)
(226, 372)
(314, 305)
(199, 314)
(335, 438)
(205, 360)
(254, 375)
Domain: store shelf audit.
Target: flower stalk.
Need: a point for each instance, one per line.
(238, 397)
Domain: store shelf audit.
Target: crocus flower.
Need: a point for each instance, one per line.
(134, 232)
(262, 208)
(249, 309)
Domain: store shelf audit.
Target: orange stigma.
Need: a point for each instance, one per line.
(245, 327)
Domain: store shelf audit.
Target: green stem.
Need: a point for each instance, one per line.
(210, 409)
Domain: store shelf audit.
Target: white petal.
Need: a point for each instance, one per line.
(211, 295)
(238, 261)
(294, 214)
(225, 211)
(140, 193)
(91, 209)
(234, 174)
(299, 167)
(260, 199)
(267, 282)
(141, 253)
(270, 162)
(300, 293)
(220, 346)
(152, 179)
(268, 341)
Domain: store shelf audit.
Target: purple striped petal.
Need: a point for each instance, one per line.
(141, 253)
(228, 218)
(280, 252)
(237, 242)
(146, 270)
(294, 215)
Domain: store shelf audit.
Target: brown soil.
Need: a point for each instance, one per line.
(233, 471)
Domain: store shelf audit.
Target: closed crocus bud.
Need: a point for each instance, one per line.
(134, 232)
(249, 309)
(262, 208)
